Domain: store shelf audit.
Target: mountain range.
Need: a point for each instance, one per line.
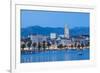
(58, 30)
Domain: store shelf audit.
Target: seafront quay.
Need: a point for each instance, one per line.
(54, 41)
(29, 45)
(66, 48)
(26, 50)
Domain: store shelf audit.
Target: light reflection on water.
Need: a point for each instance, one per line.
(57, 55)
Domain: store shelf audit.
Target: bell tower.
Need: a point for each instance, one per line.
(66, 31)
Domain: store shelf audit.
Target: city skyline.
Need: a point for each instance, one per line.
(48, 36)
(53, 19)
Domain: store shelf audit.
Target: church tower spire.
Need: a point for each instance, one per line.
(66, 31)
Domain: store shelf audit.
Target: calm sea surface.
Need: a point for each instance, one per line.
(56, 55)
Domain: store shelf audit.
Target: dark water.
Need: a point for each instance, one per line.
(56, 55)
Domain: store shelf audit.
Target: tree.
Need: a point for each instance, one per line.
(60, 46)
(88, 44)
(23, 46)
(75, 45)
(44, 45)
(78, 46)
(48, 44)
(72, 46)
(34, 45)
(29, 44)
(82, 45)
(39, 46)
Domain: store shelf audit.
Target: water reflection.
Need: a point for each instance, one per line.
(57, 55)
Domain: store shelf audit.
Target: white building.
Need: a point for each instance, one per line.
(65, 42)
(38, 38)
(53, 35)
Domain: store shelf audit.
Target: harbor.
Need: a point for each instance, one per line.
(48, 36)
(37, 42)
(55, 55)
(41, 48)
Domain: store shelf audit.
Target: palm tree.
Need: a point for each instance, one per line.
(82, 45)
(48, 44)
(60, 46)
(88, 44)
(29, 44)
(75, 45)
(44, 45)
(39, 46)
(72, 46)
(23, 46)
(78, 46)
(34, 45)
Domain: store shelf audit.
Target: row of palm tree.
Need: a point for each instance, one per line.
(27, 43)
(76, 45)
(43, 45)
(35, 46)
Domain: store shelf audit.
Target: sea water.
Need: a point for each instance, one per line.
(55, 55)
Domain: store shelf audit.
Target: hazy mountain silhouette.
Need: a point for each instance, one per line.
(47, 30)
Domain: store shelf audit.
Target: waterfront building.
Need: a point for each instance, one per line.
(38, 38)
(65, 41)
(53, 36)
(61, 36)
(53, 47)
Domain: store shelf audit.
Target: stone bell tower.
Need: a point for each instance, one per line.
(66, 31)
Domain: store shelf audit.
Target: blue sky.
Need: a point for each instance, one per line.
(53, 19)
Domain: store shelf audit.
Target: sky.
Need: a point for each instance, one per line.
(53, 19)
